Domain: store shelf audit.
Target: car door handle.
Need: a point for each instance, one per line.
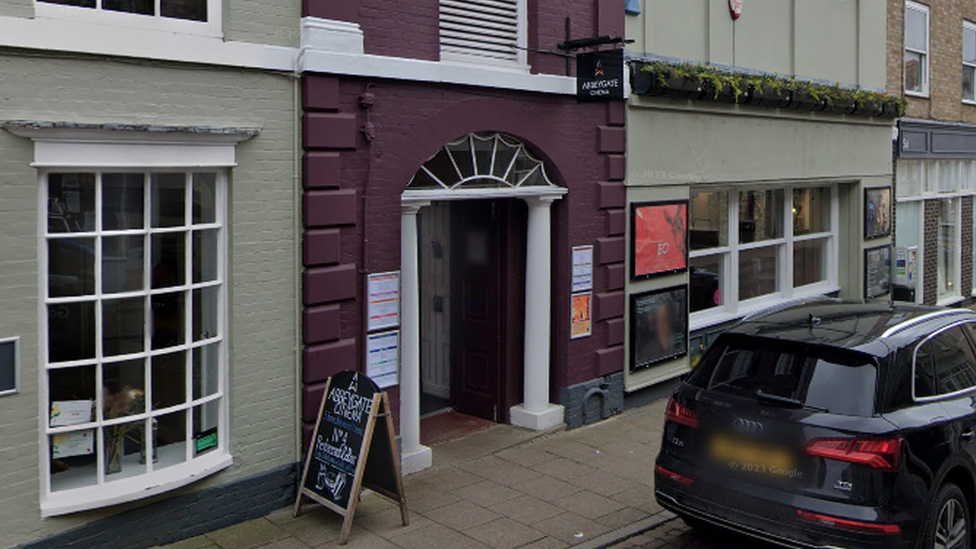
(967, 435)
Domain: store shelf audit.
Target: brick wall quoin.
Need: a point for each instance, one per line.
(930, 263)
(966, 272)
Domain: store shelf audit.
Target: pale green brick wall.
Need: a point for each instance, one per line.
(263, 21)
(272, 22)
(833, 40)
(262, 291)
(17, 8)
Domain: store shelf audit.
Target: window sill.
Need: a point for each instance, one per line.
(950, 301)
(969, 102)
(919, 95)
(133, 488)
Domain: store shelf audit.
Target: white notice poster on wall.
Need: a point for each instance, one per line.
(383, 358)
(384, 300)
(582, 268)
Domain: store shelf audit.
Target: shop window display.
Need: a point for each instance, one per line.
(134, 330)
(757, 245)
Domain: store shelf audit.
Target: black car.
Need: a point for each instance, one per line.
(830, 424)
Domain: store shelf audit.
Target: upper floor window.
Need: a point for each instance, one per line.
(483, 31)
(916, 48)
(187, 16)
(968, 61)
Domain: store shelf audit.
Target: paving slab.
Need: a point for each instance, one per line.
(248, 535)
(487, 493)
(462, 515)
(527, 509)
(500, 488)
(505, 533)
(435, 536)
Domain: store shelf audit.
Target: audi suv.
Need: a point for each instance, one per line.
(829, 424)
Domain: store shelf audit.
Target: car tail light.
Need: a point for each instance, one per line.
(878, 453)
(851, 525)
(673, 476)
(680, 414)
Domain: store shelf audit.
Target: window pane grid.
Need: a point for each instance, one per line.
(101, 296)
(750, 272)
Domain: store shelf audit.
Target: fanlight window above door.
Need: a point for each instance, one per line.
(479, 161)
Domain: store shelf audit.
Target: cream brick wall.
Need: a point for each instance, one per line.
(262, 289)
(945, 60)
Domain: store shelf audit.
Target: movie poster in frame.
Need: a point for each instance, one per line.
(877, 271)
(658, 326)
(877, 212)
(658, 238)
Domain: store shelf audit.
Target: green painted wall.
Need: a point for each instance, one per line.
(836, 40)
(261, 284)
(669, 142)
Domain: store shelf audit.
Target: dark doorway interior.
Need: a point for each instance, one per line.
(472, 306)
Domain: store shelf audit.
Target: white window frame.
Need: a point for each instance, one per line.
(968, 26)
(956, 296)
(921, 8)
(521, 63)
(732, 308)
(60, 148)
(97, 15)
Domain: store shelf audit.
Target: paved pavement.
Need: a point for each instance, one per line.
(502, 488)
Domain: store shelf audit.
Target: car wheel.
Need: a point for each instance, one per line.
(947, 525)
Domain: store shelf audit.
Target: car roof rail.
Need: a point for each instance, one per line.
(904, 325)
(788, 304)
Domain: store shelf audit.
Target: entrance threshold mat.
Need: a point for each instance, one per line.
(441, 428)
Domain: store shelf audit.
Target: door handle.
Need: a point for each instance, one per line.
(967, 435)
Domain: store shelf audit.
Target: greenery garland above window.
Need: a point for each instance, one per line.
(707, 82)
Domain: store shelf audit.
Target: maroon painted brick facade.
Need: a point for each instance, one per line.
(351, 207)
(410, 29)
(412, 121)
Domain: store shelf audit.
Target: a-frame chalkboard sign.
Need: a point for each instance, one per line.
(353, 446)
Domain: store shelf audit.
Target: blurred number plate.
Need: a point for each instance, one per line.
(751, 457)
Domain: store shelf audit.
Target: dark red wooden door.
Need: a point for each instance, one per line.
(476, 327)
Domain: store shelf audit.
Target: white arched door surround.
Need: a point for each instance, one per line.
(480, 166)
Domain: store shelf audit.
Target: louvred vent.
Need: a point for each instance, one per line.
(488, 29)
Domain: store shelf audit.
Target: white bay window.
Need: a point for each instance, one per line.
(133, 340)
(749, 248)
(134, 324)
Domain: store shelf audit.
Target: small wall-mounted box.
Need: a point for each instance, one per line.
(9, 366)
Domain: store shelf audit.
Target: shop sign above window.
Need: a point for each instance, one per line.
(600, 76)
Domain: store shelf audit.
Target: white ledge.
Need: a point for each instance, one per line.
(119, 41)
(398, 68)
(133, 488)
(68, 145)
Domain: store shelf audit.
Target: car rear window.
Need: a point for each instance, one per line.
(835, 381)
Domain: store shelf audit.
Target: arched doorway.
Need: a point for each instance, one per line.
(478, 182)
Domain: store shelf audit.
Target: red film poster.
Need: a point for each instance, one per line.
(660, 238)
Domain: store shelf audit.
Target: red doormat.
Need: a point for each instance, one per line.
(441, 428)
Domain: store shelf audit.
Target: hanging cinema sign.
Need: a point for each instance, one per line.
(600, 76)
